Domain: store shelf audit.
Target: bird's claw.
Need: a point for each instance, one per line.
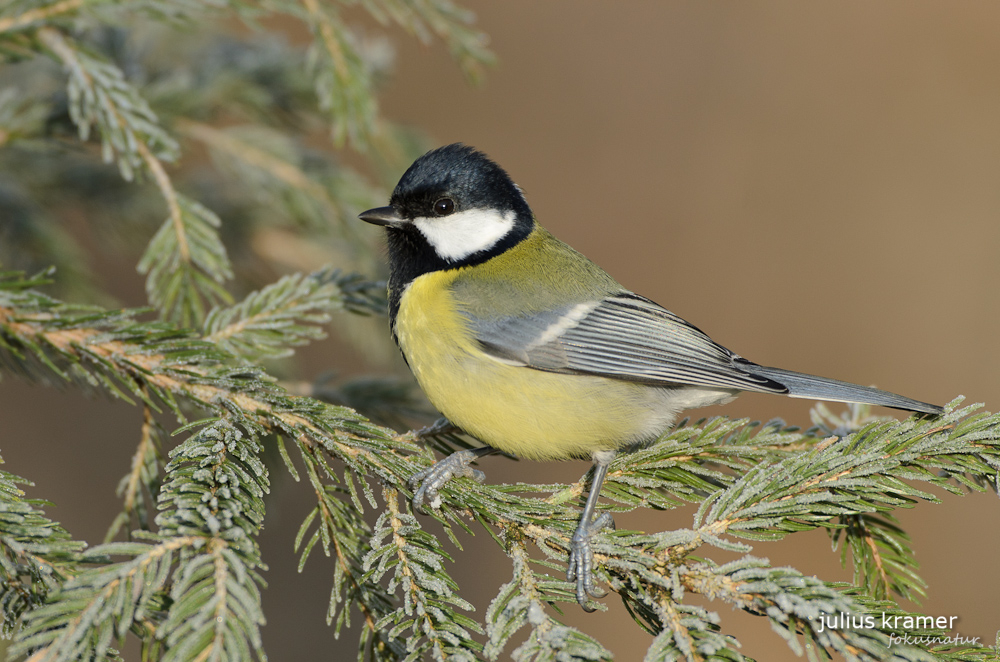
(426, 483)
(581, 560)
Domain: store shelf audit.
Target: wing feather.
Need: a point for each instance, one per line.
(624, 336)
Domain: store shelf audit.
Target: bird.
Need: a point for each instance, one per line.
(535, 351)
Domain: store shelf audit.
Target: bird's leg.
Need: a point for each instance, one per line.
(440, 426)
(581, 557)
(433, 478)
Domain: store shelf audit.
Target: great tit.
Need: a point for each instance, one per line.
(537, 352)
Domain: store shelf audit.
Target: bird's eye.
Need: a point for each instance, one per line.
(444, 206)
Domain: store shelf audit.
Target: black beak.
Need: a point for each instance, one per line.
(386, 216)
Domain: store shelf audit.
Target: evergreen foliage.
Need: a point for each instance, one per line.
(103, 102)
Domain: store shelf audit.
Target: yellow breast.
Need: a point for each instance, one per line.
(529, 413)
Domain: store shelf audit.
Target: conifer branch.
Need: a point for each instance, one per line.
(89, 610)
(214, 488)
(143, 478)
(342, 531)
(882, 557)
(186, 262)
(230, 142)
(445, 19)
(101, 97)
(38, 15)
(36, 554)
(343, 81)
(286, 314)
(429, 596)
(524, 601)
(203, 558)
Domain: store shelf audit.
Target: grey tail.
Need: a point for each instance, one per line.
(800, 385)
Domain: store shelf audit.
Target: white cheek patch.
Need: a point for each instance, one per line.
(460, 235)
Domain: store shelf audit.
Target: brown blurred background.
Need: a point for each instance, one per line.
(814, 185)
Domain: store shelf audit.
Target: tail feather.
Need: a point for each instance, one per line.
(800, 385)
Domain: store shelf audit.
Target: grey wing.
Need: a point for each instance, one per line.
(624, 336)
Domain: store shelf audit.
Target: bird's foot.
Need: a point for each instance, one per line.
(433, 478)
(581, 559)
(440, 426)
